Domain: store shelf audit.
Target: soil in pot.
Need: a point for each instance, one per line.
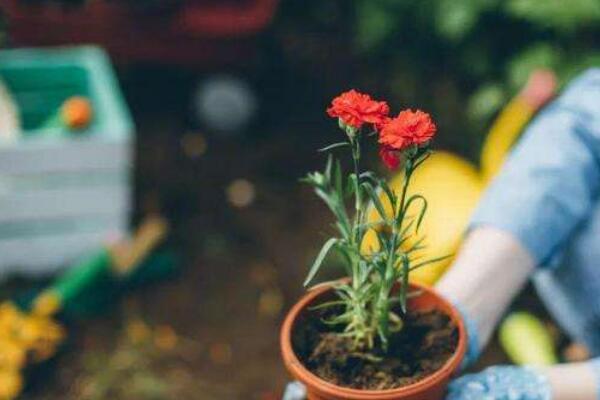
(427, 341)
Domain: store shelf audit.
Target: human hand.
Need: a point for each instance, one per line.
(501, 383)
(294, 391)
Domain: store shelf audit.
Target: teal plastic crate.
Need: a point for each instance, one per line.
(42, 79)
(62, 193)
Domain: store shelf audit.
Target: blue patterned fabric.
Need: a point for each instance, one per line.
(294, 391)
(547, 197)
(501, 383)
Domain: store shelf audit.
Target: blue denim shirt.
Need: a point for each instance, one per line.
(547, 197)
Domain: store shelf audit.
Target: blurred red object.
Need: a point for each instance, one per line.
(192, 32)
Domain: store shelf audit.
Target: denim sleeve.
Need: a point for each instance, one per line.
(550, 181)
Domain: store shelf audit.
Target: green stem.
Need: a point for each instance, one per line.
(358, 195)
(381, 317)
(361, 325)
(408, 170)
(358, 217)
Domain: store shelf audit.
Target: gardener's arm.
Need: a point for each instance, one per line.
(547, 187)
(490, 270)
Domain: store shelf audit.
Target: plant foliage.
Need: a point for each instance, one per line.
(374, 298)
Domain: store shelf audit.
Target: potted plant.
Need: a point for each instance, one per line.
(372, 334)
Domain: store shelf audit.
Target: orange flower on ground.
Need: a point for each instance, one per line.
(407, 129)
(356, 109)
(389, 157)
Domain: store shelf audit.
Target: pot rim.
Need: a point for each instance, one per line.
(303, 374)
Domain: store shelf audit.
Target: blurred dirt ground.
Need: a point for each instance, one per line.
(245, 231)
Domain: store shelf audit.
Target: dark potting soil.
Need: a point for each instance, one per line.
(426, 342)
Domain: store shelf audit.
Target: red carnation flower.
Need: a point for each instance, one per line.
(384, 121)
(389, 157)
(356, 109)
(407, 129)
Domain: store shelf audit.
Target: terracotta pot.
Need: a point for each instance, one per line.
(433, 387)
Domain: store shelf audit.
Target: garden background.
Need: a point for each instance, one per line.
(243, 229)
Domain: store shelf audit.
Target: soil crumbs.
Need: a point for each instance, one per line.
(426, 342)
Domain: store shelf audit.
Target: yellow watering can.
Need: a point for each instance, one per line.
(453, 186)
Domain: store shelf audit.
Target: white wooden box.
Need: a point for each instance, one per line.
(62, 196)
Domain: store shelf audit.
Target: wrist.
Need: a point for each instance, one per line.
(574, 381)
(472, 282)
(595, 366)
(473, 344)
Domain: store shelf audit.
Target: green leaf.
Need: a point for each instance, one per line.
(365, 273)
(327, 304)
(418, 245)
(430, 261)
(334, 146)
(349, 189)
(338, 179)
(319, 260)
(328, 168)
(404, 285)
(368, 225)
(381, 268)
(392, 198)
(422, 157)
(375, 199)
(368, 175)
(344, 290)
(339, 319)
(352, 184)
(412, 199)
(343, 229)
(383, 241)
(405, 231)
(383, 332)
